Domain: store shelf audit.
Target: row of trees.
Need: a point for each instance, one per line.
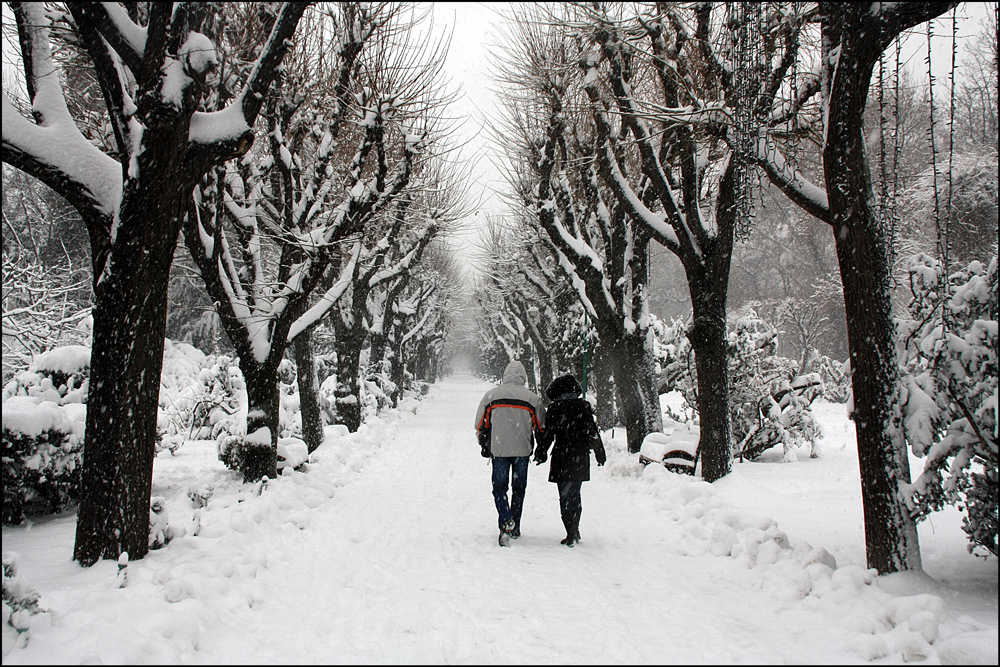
(299, 150)
(628, 127)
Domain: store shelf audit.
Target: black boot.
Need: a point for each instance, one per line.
(576, 524)
(570, 538)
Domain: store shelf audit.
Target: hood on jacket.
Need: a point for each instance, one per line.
(564, 384)
(515, 374)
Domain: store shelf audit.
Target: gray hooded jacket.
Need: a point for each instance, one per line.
(512, 413)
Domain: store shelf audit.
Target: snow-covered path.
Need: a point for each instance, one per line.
(384, 551)
(404, 567)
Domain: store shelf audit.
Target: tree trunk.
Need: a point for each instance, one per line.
(312, 417)
(376, 357)
(348, 392)
(543, 362)
(638, 402)
(423, 368)
(396, 366)
(130, 316)
(862, 251)
(601, 382)
(711, 358)
(260, 447)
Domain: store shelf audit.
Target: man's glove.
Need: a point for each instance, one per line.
(540, 458)
(485, 451)
(601, 457)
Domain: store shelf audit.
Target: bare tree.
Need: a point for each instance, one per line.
(46, 272)
(529, 292)
(153, 75)
(976, 104)
(401, 289)
(854, 35)
(42, 309)
(266, 230)
(554, 173)
(382, 266)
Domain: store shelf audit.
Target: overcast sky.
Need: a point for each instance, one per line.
(468, 66)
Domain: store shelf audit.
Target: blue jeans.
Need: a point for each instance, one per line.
(502, 466)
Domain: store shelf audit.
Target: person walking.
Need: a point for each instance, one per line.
(571, 430)
(509, 419)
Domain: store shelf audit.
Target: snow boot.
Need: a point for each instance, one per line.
(570, 538)
(505, 532)
(576, 525)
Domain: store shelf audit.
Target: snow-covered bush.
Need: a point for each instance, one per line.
(769, 402)
(328, 400)
(374, 399)
(210, 402)
(949, 353)
(180, 389)
(836, 376)
(223, 409)
(674, 359)
(20, 603)
(289, 414)
(59, 375)
(44, 417)
(160, 532)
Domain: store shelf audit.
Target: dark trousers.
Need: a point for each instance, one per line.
(502, 466)
(569, 497)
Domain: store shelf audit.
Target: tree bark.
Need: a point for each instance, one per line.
(122, 404)
(350, 341)
(312, 417)
(130, 319)
(133, 237)
(259, 449)
(600, 380)
(397, 369)
(862, 252)
(711, 357)
(635, 391)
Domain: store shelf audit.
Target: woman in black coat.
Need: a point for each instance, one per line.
(572, 432)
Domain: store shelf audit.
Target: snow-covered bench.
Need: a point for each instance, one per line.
(676, 448)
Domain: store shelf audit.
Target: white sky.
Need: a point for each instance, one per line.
(468, 66)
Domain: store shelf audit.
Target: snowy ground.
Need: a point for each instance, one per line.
(385, 552)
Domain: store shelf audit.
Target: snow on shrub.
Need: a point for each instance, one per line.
(44, 417)
(20, 603)
(836, 376)
(289, 414)
(203, 397)
(210, 400)
(227, 416)
(948, 345)
(769, 401)
(328, 400)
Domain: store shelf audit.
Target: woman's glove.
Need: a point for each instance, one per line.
(540, 457)
(601, 456)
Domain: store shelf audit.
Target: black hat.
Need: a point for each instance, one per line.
(564, 384)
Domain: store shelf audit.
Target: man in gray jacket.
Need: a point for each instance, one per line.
(508, 419)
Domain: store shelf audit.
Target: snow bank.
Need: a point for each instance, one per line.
(896, 618)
